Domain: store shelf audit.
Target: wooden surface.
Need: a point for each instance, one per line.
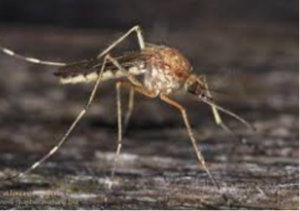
(158, 168)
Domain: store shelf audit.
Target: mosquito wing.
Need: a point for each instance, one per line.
(88, 70)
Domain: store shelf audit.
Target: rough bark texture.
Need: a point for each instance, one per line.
(158, 168)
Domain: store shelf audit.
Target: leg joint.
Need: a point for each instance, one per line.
(137, 28)
(119, 84)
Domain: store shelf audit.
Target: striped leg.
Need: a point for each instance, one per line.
(119, 142)
(69, 131)
(119, 113)
(135, 29)
(30, 59)
(133, 84)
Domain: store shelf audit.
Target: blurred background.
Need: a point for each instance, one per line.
(116, 14)
(248, 49)
(208, 31)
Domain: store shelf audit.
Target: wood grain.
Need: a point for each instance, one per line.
(158, 169)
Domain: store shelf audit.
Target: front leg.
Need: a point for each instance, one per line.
(217, 116)
(192, 138)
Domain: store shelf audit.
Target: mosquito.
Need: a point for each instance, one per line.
(164, 70)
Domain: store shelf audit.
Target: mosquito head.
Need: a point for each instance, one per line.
(195, 85)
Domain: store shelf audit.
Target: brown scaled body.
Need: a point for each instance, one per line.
(167, 69)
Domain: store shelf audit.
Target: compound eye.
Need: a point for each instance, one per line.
(202, 95)
(192, 87)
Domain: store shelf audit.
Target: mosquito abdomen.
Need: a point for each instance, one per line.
(92, 76)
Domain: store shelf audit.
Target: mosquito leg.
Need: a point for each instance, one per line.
(217, 115)
(11, 53)
(136, 85)
(192, 138)
(119, 142)
(136, 29)
(151, 94)
(119, 113)
(130, 77)
(129, 109)
(144, 91)
(69, 131)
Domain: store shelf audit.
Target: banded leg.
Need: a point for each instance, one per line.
(136, 29)
(192, 138)
(11, 53)
(69, 131)
(138, 87)
(119, 142)
(119, 113)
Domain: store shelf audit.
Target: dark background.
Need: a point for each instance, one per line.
(224, 39)
(248, 49)
(124, 14)
(204, 30)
